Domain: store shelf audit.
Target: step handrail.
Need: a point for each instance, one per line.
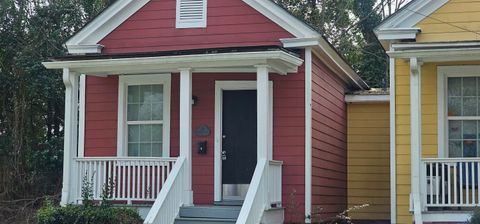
(257, 196)
(170, 199)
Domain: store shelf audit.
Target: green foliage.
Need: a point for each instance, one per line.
(475, 219)
(348, 25)
(50, 214)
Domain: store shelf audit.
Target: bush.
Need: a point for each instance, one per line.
(475, 219)
(51, 214)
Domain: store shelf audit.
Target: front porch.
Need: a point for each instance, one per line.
(166, 182)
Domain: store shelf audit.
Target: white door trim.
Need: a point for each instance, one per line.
(232, 85)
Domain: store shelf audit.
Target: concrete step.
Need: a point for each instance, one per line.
(229, 203)
(215, 212)
(204, 221)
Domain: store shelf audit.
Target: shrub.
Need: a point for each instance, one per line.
(475, 219)
(51, 214)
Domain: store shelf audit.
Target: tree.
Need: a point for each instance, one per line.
(348, 25)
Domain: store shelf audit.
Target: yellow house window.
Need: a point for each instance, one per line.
(463, 114)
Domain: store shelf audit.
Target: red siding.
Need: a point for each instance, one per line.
(230, 23)
(101, 116)
(329, 141)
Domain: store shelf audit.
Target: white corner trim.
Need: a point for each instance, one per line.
(367, 99)
(308, 134)
(411, 14)
(281, 17)
(105, 23)
(191, 23)
(123, 83)
(393, 138)
(81, 115)
(397, 34)
(441, 109)
(220, 86)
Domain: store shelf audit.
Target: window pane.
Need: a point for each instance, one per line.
(157, 133)
(133, 133)
(455, 149)
(146, 150)
(145, 112)
(133, 94)
(454, 106)
(469, 129)
(470, 106)
(146, 133)
(157, 110)
(145, 103)
(469, 86)
(133, 149)
(469, 148)
(157, 91)
(132, 112)
(146, 94)
(157, 150)
(454, 86)
(454, 130)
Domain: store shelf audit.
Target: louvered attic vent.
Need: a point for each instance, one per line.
(191, 13)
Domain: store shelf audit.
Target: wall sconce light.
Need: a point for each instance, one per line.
(194, 100)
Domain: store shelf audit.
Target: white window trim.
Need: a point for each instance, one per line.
(124, 82)
(196, 23)
(443, 73)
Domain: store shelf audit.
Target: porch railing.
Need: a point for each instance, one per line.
(129, 179)
(265, 189)
(451, 182)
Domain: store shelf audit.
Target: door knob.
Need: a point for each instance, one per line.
(224, 155)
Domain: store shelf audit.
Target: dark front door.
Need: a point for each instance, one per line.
(239, 145)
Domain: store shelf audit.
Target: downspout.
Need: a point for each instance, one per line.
(308, 134)
(393, 165)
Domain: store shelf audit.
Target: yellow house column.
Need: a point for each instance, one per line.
(415, 136)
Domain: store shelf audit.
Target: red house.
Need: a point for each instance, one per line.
(226, 111)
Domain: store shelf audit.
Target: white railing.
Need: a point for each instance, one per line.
(275, 183)
(130, 179)
(451, 182)
(264, 191)
(168, 203)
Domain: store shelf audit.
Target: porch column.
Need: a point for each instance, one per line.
(262, 111)
(70, 136)
(186, 130)
(416, 136)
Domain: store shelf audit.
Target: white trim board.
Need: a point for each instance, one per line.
(81, 115)
(220, 86)
(121, 10)
(308, 134)
(367, 99)
(393, 142)
(124, 82)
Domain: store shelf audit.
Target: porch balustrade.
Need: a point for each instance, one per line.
(450, 182)
(129, 179)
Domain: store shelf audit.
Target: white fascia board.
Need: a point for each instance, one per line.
(398, 34)
(85, 49)
(359, 99)
(105, 23)
(288, 61)
(439, 55)
(283, 18)
(329, 56)
(431, 45)
(412, 14)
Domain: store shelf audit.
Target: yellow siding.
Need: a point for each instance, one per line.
(402, 123)
(455, 21)
(368, 160)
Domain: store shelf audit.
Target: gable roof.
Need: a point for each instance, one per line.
(87, 39)
(401, 24)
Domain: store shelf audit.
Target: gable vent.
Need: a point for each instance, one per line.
(191, 13)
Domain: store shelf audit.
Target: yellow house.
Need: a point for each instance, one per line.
(434, 48)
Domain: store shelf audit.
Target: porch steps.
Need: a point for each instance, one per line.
(208, 214)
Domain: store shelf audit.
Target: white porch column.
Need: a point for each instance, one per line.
(262, 112)
(416, 135)
(70, 137)
(186, 130)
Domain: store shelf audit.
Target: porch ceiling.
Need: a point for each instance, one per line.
(279, 61)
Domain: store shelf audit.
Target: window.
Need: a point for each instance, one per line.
(191, 13)
(463, 116)
(144, 107)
